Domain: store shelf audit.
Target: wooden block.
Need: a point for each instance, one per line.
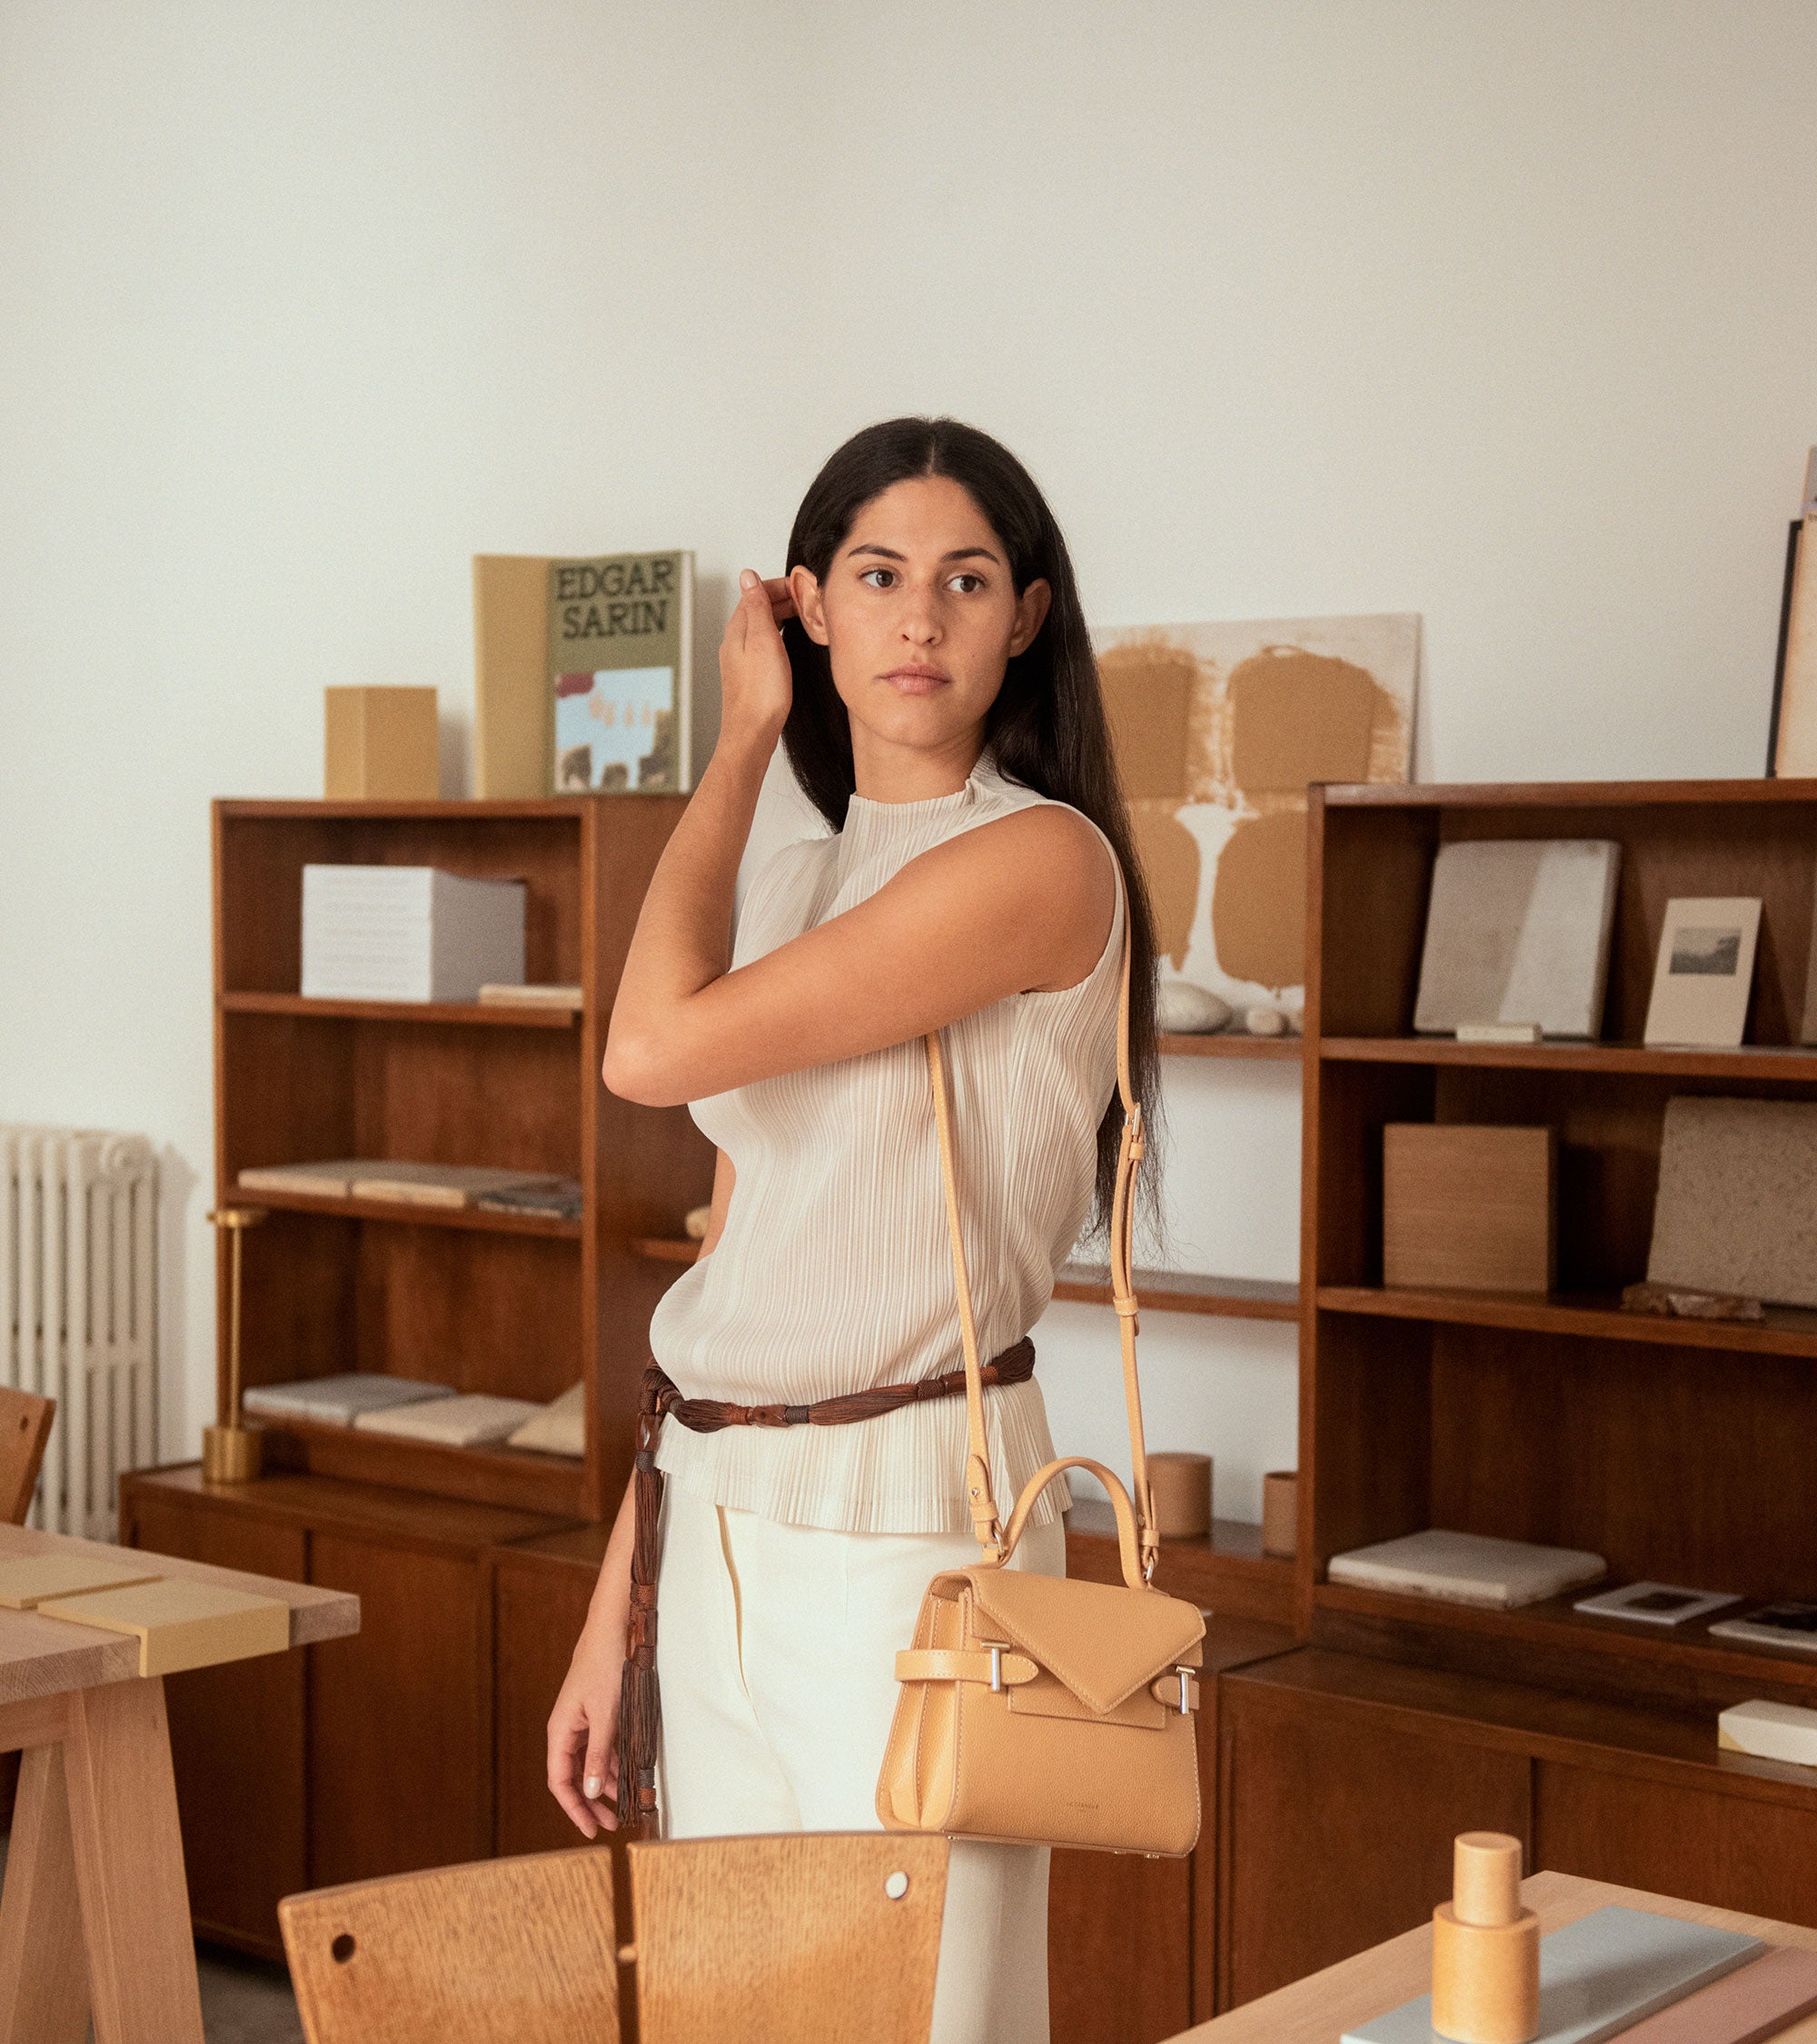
(181, 1623)
(379, 745)
(1281, 1512)
(1467, 1208)
(1755, 2003)
(26, 1581)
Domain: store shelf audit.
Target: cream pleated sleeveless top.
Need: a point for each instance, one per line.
(833, 1273)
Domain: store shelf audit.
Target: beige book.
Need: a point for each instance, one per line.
(439, 1185)
(29, 1580)
(332, 1180)
(536, 996)
(180, 1622)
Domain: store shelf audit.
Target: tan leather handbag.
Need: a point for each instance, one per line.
(1034, 1710)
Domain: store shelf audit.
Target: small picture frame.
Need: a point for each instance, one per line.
(1704, 973)
(1654, 1603)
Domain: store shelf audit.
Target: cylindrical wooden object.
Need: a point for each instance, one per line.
(1486, 1947)
(1181, 1485)
(1281, 1512)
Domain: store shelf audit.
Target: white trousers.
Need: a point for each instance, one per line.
(776, 1653)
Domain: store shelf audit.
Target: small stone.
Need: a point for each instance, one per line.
(1266, 1022)
(1184, 1010)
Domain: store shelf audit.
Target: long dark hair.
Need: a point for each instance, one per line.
(1047, 728)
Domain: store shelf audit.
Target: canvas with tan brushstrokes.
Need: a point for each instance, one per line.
(1218, 730)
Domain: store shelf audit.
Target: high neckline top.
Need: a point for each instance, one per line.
(833, 1273)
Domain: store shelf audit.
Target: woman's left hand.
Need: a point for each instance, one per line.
(757, 685)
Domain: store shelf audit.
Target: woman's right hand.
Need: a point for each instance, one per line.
(756, 684)
(583, 1733)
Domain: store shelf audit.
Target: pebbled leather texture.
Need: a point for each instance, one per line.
(1092, 1748)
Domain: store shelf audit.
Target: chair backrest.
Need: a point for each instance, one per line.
(25, 1426)
(505, 1951)
(832, 1936)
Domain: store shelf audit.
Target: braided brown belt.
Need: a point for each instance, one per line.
(640, 1704)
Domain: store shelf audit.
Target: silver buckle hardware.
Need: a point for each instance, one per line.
(1185, 1705)
(997, 1671)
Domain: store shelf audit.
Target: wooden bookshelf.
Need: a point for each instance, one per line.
(522, 1305)
(1678, 1450)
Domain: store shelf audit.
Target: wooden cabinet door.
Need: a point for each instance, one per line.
(236, 1734)
(1119, 1948)
(1339, 1828)
(538, 1610)
(400, 1716)
(1734, 1852)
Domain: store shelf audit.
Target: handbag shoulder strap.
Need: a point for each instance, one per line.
(979, 1500)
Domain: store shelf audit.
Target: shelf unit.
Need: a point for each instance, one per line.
(518, 1305)
(1677, 1449)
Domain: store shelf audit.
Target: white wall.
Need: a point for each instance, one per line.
(1501, 314)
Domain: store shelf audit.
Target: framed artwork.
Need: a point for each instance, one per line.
(1792, 743)
(1218, 730)
(1704, 973)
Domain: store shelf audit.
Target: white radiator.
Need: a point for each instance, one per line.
(78, 1310)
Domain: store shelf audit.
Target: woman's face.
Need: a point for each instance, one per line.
(918, 614)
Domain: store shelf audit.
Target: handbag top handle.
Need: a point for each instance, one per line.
(979, 1500)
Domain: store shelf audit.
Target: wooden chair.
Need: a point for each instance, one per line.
(739, 1940)
(829, 1936)
(503, 1951)
(25, 1426)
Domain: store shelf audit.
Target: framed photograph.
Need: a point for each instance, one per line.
(1705, 974)
(1656, 1603)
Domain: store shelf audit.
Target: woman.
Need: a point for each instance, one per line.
(926, 665)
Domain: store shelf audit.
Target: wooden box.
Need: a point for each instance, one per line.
(1468, 1208)
(379, 745)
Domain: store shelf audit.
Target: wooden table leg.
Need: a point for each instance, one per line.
(129, 1866)
(44, 1976)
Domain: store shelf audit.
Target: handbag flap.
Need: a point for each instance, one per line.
(1102, 1639)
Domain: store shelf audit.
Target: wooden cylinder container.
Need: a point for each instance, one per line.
(1181, 1485)
(1486, 1947)
(1281, 1512)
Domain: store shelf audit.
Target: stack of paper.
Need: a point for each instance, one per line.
(407, 933)
(338, 1401)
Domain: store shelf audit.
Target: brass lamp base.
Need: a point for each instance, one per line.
(231, 1455)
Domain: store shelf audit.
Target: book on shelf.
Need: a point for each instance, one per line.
(403, 1184)
(407, 933)
(584, 676)
(474, 1420)
(538, 994)
(338, 1401)
(1468, 1568)
(562, 1198)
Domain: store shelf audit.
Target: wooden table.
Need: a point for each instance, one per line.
(95, 1863)
(1320, 2008)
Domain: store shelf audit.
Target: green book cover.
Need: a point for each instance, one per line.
(620, 654)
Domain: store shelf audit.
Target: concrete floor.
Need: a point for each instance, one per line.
(246, 2000)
